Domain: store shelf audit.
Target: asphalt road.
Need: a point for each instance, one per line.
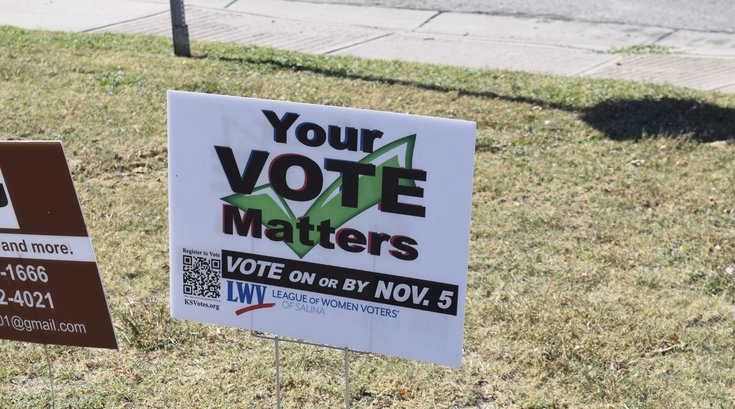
(703, 15)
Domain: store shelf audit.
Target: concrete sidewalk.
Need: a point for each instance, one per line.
(701, 60)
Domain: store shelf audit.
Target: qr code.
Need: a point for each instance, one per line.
(202, 276)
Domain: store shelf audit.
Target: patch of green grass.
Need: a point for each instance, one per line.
(641, 49)
(600, 272)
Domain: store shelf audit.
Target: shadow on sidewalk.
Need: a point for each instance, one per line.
(619, 120)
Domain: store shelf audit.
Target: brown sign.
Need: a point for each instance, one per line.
(50, 288)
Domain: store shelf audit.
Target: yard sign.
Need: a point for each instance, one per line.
(50, 288)
(341, 226)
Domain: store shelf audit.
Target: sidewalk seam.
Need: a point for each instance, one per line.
(358, 43)
(592, 69)
(428, 20)
(124, 21)
(656, 41)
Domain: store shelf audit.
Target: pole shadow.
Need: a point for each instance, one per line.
(619, 120)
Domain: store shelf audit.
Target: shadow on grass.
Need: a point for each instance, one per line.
(335, 73)
(669, 117)
(619, 120)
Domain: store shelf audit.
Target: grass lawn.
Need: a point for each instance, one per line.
(602, 245)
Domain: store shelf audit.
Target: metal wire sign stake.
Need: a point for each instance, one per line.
(277, 341)
(50, 376)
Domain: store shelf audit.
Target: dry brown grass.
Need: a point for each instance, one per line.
(599, 267)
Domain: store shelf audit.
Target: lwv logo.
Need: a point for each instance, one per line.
(7, 213)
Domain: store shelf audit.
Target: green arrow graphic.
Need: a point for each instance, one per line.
(328, 206)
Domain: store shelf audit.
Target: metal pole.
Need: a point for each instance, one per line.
(278, 374)
(50, 376)
(347, 379)
(180, 29)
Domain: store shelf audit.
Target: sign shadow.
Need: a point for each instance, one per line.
(636, 119)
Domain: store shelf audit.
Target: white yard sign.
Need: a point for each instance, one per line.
(341, 226)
